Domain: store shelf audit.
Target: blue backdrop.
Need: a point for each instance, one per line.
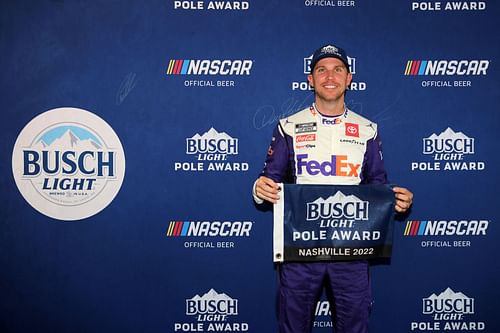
(179, 235)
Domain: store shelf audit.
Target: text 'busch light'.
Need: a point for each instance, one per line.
(212, 142)
(211, 306)
(439, 305)
(456, 145)
(98, 163)
(357, 210)
(212, 146)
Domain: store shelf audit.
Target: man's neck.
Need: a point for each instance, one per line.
(330, 108)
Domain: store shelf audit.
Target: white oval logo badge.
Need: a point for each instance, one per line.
(68, 163)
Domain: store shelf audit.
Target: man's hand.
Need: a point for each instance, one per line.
(404, 199)
(267, 189)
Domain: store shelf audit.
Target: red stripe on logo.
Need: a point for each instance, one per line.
(417, 227)
(416, 66)
(412, 230)
(178, 228)
(179, 67)
(412, 69)
(176, 66)
(174, 70)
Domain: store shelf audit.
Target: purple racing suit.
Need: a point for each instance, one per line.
(310, 148)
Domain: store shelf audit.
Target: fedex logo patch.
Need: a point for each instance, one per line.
(352, 130)
(335, 121)
(336, 166)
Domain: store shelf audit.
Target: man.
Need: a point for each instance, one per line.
(325, 144)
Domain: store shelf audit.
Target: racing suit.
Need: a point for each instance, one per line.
(311, 148)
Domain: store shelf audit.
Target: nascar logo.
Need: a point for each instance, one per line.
(446, 67)
(209, 67)
(206, 228)
(446, 228)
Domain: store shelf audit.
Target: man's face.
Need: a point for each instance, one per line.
(330, 79)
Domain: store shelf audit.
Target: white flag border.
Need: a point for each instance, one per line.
(278, 215)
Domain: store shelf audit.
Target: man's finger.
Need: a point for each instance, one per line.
(267, 196)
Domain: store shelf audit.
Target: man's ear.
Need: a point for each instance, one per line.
(349, 78)
(310, 79)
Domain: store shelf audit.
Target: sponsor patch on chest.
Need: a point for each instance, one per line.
(306, 128)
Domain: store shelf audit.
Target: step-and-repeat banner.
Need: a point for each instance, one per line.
(132, 132)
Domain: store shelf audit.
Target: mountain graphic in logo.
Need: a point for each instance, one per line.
(448, 134)
(67, 141)
(212, 134)
(212, 295)
(448, 294)
(338, 197)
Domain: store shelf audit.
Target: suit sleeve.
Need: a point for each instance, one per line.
(278, 164)
(373, 163)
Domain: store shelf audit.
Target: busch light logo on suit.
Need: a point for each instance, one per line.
(448, 312)
(449, 151)
(212, 151)
(68, 163)
(211, 312)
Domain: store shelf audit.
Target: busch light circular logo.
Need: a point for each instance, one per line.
(68, 163)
